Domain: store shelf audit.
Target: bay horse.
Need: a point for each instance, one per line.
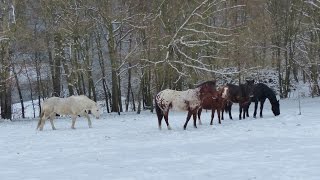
(189, 100)
(73, 105)
(239, 94)
(260, 93)
(214, 101)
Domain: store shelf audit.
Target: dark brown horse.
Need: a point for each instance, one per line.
(189, 100)
(239, 94)
(261, 92)
(214, 101)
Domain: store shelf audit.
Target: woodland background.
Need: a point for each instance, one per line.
(124, 51)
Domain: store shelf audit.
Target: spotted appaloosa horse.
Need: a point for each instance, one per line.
(189, 100)
(239, 94)
(214, 101)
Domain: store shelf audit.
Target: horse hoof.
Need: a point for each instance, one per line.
(169, 128)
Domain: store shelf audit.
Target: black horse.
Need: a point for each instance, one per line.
(238, 94)
(260, 93)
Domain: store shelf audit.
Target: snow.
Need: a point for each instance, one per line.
(130, 146)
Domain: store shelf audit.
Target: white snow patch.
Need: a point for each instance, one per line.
(130, 146)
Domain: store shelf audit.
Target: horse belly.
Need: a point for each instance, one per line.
(185, 105)
(194, 105)
(179, 106)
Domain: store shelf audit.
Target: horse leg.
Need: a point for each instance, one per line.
(247, 110)
(195, 119)
(160, 117)
(212, 116)
(51, 121)
(240, 111)
(229, 109)
(223, 108)
(42, 122)
(166, 114)
(219, 111)
(261, 107)
(244, 112)
(41, 117)
(222, 112)
(187, 120)
(73, 117)
(199, 114)
(89, 121)
(255, 108)
(39, 123)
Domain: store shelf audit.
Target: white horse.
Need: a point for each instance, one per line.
(73, 106)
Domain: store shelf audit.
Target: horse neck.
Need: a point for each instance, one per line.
(272, 97)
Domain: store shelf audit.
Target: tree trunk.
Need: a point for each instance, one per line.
(69, 76)
(19, 90)
(114, 65)
(5, 82)
(59, 55)
(128, 88)
(103, 71)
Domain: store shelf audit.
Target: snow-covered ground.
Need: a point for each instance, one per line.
(130, 146)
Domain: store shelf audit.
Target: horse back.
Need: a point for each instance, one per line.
(78, 104)
(178, 100)
(262, 91)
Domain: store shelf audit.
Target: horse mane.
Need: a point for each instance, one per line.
(270, 94)
(243, 90)
(210, 83)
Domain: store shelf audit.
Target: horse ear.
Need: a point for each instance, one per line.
(250, 81)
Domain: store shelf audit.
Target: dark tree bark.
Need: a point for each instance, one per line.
(58, 58)
(19, 90)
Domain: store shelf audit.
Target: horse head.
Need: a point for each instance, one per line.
(207, 88)
(249, 87)
(95, 110)
(275, 108)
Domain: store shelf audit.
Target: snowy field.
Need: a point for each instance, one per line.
(130, 146)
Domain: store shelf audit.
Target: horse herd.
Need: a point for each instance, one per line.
(208, 96)
(204, 96)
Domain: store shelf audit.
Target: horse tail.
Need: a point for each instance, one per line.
(41, 117)
(159, 111)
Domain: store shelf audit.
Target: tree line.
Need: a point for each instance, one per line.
(124, 51)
